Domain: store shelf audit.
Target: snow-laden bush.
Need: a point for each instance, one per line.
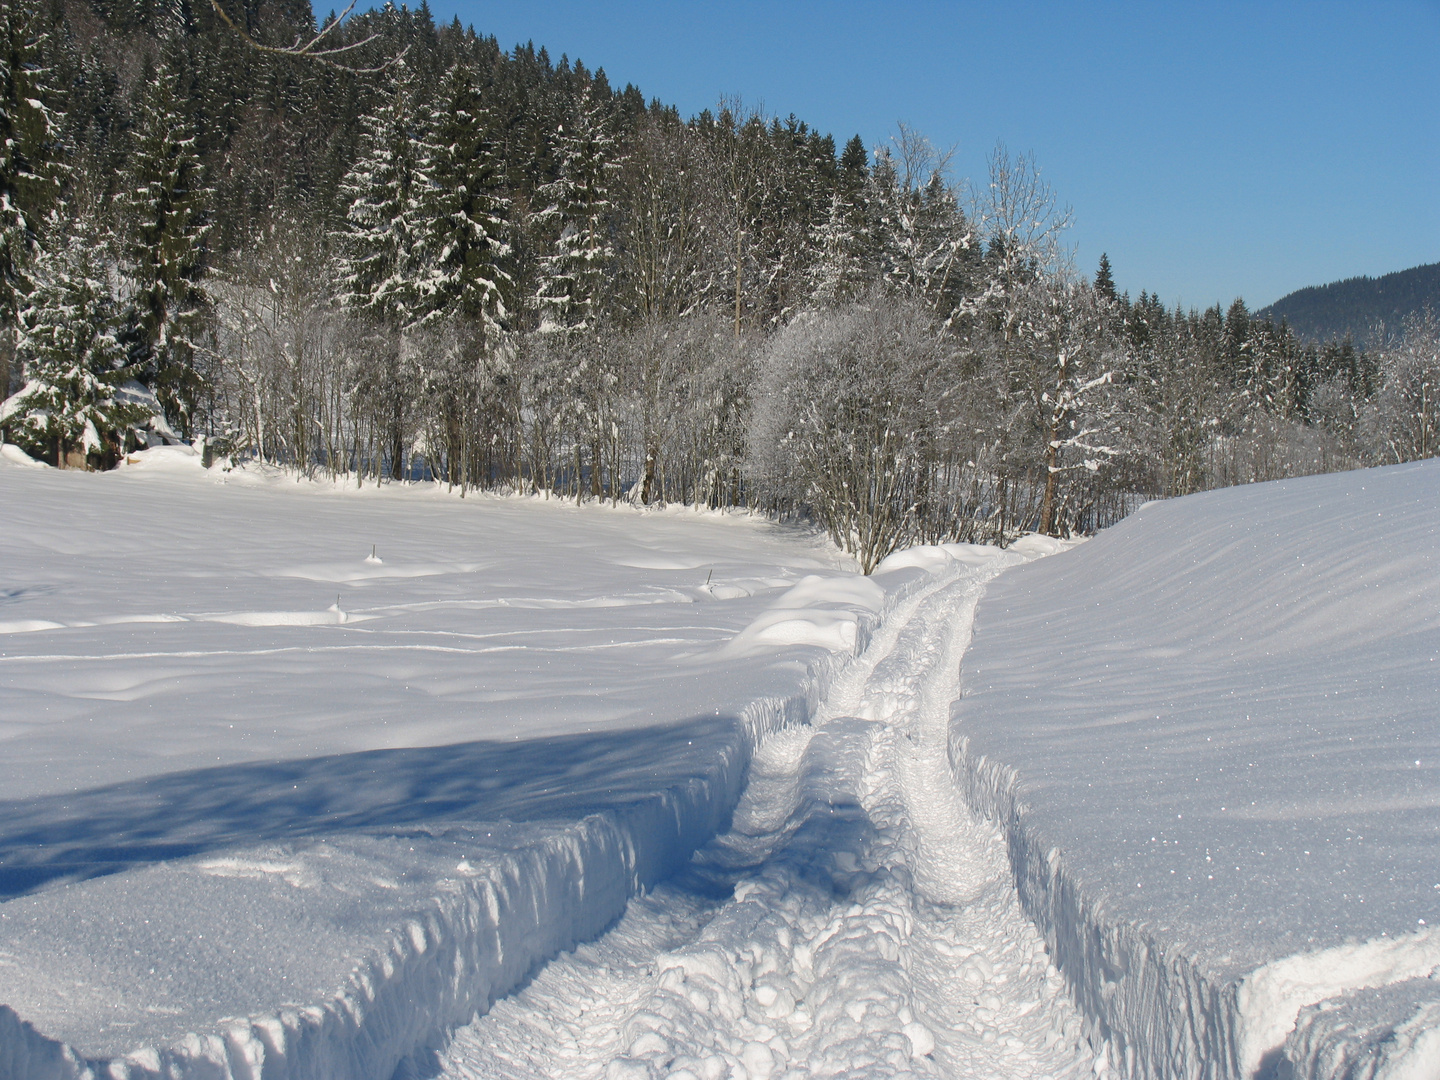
(1404, 421)
(845, 420)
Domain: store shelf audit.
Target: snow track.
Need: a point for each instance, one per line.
(856, 920)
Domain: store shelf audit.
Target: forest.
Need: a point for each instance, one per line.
(421, 256)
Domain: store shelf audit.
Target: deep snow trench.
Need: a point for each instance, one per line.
(857, 919)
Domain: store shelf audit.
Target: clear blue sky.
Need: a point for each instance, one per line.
(1213, 150)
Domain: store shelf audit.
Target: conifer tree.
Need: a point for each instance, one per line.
(383, 240)
(382, 269)
(463, 214)
(28, 132)
(573, 274)
(164, 208)
(838, 271)
(1104, 280)
(74, 361)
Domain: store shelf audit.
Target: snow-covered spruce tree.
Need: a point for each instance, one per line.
(574, 273)
(70, 410)
(1067, 375)
(574, 277)
(382, 243)
(164, 210)
(382, 247)
(843, 240)
(838, 273)
(28, 180)
(926, 247)
(462, 285)
(463, 213)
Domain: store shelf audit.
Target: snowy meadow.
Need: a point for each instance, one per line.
(301, 780)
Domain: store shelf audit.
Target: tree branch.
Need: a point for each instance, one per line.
(315, 48)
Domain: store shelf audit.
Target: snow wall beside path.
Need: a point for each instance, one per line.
(1212, 735)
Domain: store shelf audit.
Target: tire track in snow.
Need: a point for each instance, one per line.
(857, 920)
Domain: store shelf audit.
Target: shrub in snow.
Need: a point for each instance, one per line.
(841, 421)
(1405, 418)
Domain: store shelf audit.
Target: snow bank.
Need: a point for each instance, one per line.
(1211, 736)
(10, 454)
(249, 827)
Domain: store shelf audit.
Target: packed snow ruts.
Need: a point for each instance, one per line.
(857, 920)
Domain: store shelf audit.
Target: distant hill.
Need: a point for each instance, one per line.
(1356, 305)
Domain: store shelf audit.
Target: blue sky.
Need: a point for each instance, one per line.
(1213, 150)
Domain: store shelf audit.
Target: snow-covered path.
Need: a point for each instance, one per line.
(857, 920)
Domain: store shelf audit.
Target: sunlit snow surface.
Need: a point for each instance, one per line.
(1220, 724)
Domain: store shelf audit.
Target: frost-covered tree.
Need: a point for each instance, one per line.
(164, 208)
(574, 273)
(1022, 221)
(843, 424)
(382, 265)
(927, 249)
(662, 266)
(838, 273)
(71, 409)
(1405, 419)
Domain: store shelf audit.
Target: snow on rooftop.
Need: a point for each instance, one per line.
(1218, 725)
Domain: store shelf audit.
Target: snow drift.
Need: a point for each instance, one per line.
(1211, 734)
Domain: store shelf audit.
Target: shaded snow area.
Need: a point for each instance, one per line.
(1213, 737)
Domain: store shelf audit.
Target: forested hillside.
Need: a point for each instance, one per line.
(426, 256)
(1362, 308)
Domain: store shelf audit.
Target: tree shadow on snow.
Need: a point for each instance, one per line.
(108, 829)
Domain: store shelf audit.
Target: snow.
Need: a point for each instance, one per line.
(856, 920)
(1211, 734)
(199, 732)
(304, 780)
(11, 455)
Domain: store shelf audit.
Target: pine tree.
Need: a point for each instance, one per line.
(383, 239)
(838, 271)
(845, 240)
(74, 361)
(382, 268)
(164, 210)
(463, 215)
(1104, 281)
(28, 132)
(854, 166)
(573, 275)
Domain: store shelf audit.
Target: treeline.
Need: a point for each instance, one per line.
(499, 272)
(1359, 307)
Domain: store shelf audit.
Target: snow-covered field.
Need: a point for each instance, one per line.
(271, 804)
(1214, 735)
(319, 769)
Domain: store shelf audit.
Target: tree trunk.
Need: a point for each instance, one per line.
(7, 359)
(1047, 504)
